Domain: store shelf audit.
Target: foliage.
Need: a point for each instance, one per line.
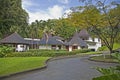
(112, 73)
(94, 52)
(104, 48)
(4, 50)
(47, 53)
(18, 64)
(12, 17)
(100, 18)
(60, 27)
(66, 29)
(108, 77)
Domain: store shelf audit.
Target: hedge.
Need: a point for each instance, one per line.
(46, 53)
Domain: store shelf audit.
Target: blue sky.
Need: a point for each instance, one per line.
(50, 9)
(47, 9)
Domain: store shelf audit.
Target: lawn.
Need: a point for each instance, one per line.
(105, 58)
(22, 61)
(18, 64)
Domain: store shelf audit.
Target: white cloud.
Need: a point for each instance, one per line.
(38, 16)
(54, 12)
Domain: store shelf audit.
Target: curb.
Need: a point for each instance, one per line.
(41, 68)
(45, 66)
(99, 60)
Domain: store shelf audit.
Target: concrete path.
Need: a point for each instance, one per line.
(65, 69)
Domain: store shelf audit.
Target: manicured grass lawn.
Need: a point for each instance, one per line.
(23, 61)
(18, 64)
(95, 52)
(106, 58)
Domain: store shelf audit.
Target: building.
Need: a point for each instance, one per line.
(75, 43)
(32, 43)
(51, 42)
(16, 41)
(83, 40)
(93, 43)
(78, 41)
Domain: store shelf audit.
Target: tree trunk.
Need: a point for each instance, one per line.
(111, 50)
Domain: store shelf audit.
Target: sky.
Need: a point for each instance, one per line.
(47, 9)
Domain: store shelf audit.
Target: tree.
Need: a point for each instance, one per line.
(100, 18)
(12, 15)
(65, 28)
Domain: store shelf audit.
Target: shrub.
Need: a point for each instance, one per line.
(112, 73)
(103, 48)
(85, 50)
(4, 50)
(46, 53)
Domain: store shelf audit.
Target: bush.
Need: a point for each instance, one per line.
(103, 48)
(4, 50)
(46, 53)
(85, 50)
(112, 73)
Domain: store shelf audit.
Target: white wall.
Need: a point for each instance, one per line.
(21, 47)
(79, 47)
(93, 47)
(90, 39)
(96, 46)
(70, 48)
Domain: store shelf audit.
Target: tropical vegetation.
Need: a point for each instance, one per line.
(12, 17)
(4, 50)
(112, 73)
(100, 19)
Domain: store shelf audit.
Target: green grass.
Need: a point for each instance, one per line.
(104, 58)
(18, 64)
(104, 48)
(95, 52)
(22, 61)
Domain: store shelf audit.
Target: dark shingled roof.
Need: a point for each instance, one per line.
(50, 41)
(76, 40)
(13, 39)
(84, 34)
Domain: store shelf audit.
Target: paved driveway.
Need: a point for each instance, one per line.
(65, 69)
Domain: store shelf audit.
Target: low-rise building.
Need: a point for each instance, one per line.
(93, 42)
(78, 41)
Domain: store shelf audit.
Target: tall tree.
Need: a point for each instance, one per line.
(65, 28)
(12, 15)
(102, 19)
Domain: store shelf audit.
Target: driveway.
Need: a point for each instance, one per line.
(79, 68)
